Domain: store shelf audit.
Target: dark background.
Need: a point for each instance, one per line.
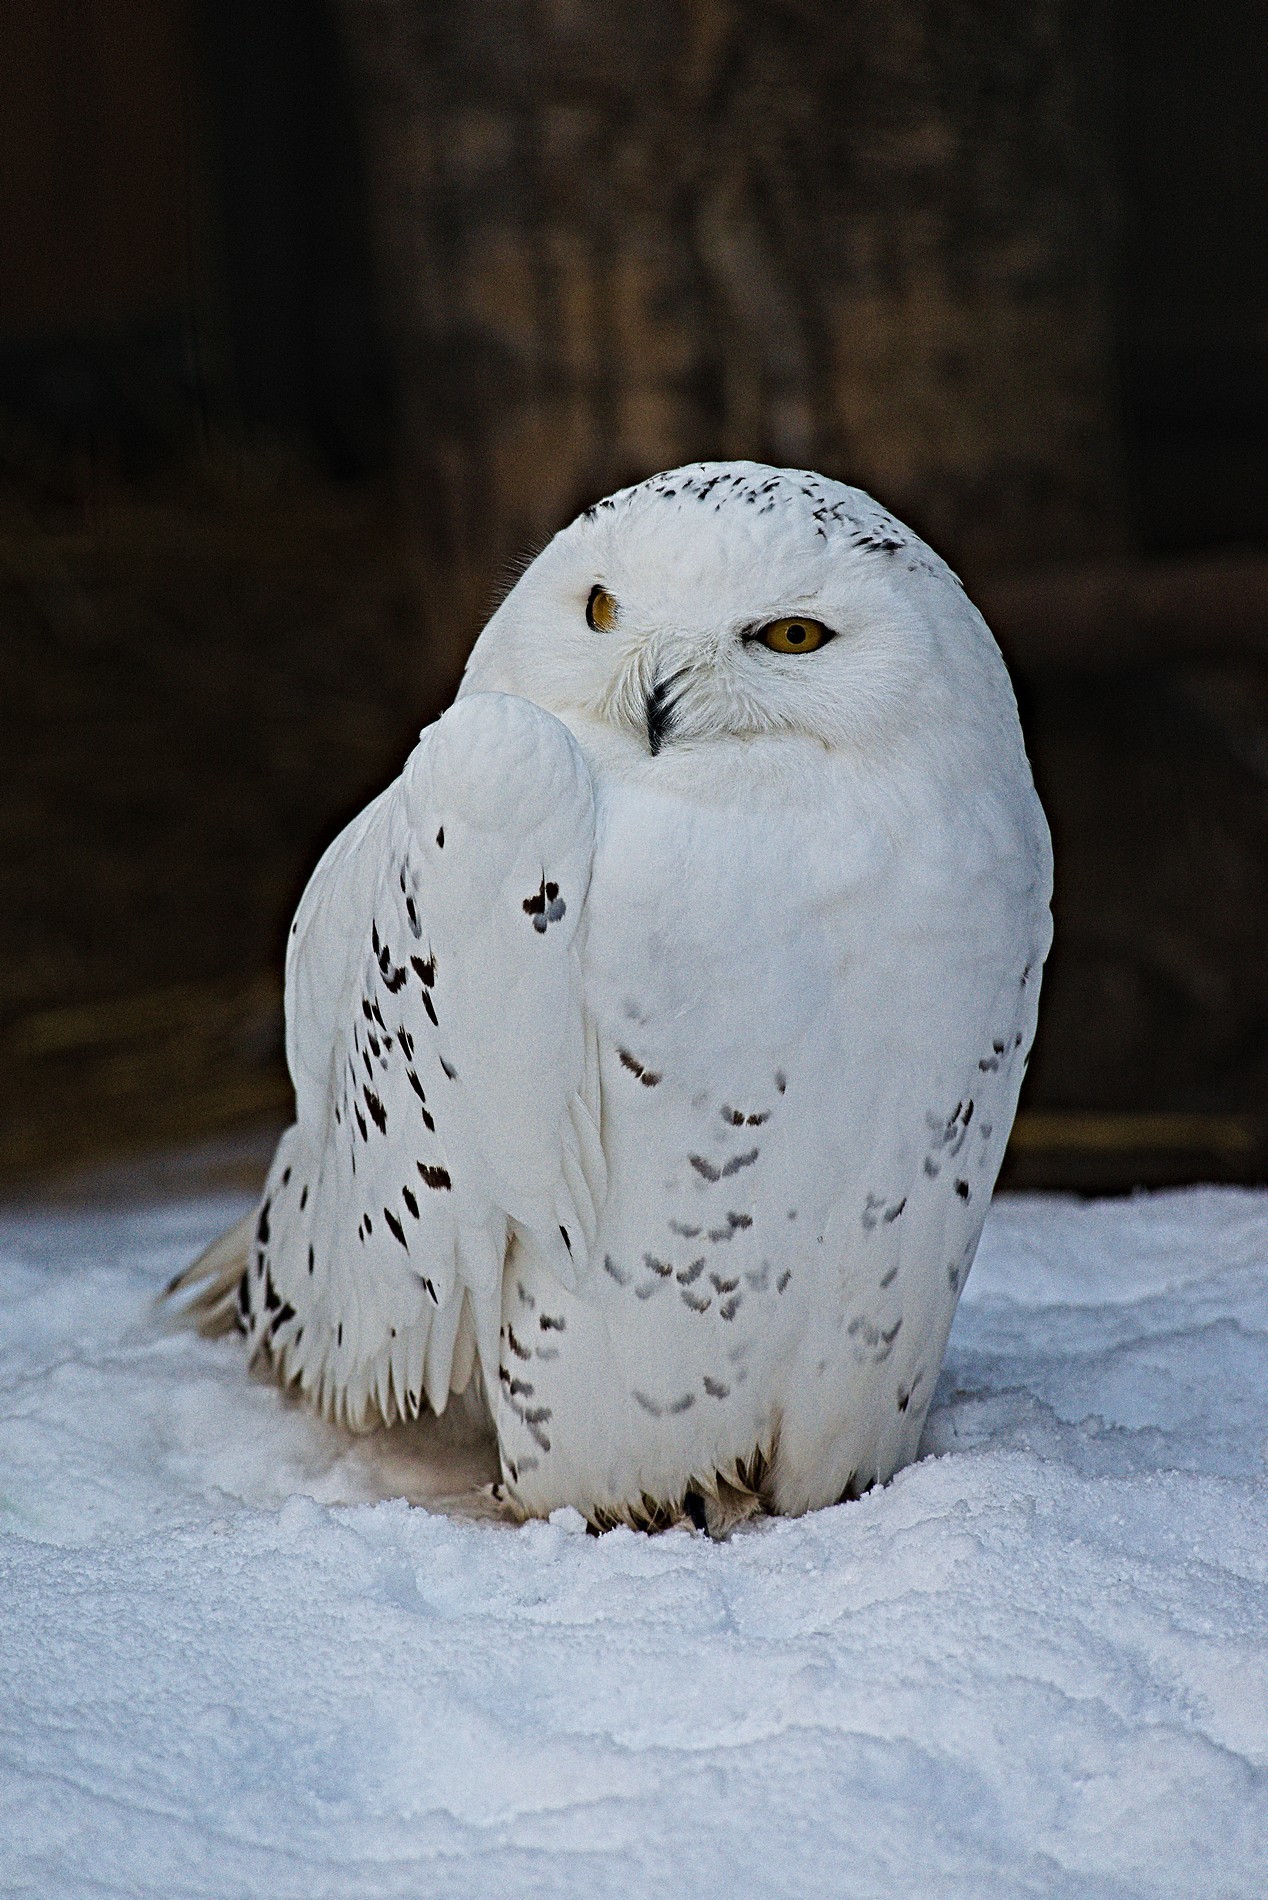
(314, 317)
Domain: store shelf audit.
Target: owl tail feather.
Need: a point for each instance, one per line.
(212, 1281)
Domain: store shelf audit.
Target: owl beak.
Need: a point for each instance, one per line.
(660, 710)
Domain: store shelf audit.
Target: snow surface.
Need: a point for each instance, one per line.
(1033, 1664)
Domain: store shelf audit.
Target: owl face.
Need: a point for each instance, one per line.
(725, 601)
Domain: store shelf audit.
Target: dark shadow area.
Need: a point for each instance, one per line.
(1191, 93)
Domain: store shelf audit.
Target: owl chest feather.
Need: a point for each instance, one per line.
(764, 993)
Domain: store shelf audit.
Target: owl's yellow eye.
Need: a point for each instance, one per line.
(601, 610)
(793, 636)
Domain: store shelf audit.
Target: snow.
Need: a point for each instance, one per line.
(234, 1660)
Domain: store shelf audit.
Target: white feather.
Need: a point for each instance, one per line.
(434, 1042)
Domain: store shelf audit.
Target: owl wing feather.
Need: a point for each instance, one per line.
(446, 1085)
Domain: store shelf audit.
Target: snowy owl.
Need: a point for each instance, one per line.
(656, 1036)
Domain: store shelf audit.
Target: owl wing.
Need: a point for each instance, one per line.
(446, 1088)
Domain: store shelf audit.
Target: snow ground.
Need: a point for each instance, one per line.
(1034, 1664)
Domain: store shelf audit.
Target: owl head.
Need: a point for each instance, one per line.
(730, 600)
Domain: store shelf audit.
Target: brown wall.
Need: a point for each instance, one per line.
(1003, 262)
(94, 179)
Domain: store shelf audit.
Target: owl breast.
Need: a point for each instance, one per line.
(781, 1009)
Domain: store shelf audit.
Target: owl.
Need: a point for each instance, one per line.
(656, 1035)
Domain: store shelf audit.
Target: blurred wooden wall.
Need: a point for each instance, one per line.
(315, 317)
(94, 171)
(870, 238)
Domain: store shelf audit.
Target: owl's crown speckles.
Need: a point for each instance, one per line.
(828, 506)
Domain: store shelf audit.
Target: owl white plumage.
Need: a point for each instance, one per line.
(656, 1036)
